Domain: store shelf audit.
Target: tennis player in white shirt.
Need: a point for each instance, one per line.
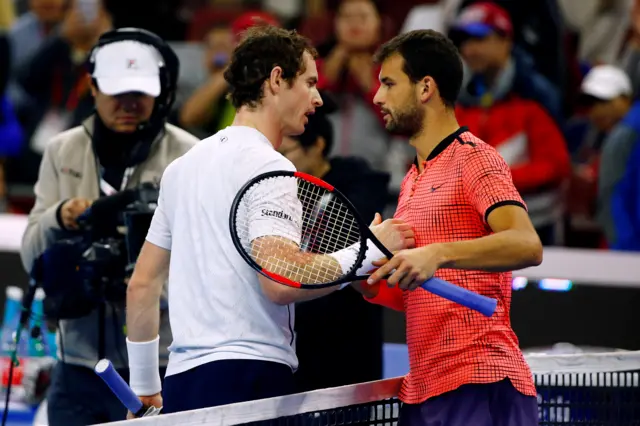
(232, 328)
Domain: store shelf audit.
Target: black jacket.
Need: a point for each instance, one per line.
(339, 337)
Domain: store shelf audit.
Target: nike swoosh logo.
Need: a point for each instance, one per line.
(434, 187)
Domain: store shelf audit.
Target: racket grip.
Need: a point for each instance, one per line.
(119, 387)
(483, 304)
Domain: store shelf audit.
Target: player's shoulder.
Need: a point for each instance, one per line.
(180, 136)
(469, 146)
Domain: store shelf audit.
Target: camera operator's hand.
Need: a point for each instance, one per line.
(70, 211)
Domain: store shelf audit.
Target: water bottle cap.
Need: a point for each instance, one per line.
(39, 294)
(14, 293)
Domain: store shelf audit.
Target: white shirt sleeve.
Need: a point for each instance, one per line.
(273, 207)
(159, 232)
(274, 210)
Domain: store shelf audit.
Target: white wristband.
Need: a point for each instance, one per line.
(373, 254)
(347, 257)
(144, 360)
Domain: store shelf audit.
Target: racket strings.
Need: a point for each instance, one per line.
(288, 225)
(321, 237)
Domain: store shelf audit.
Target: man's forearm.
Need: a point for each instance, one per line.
(143, 312)
(503, 251)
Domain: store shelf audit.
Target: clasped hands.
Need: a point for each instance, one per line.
(410, 266)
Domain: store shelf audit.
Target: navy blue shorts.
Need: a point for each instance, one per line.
(225, 382)
(493, 404)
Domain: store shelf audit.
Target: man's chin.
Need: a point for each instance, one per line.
(125, 128)
(295, 131)
(391, 127)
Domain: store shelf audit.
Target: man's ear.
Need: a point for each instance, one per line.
(426, 88)
(275, 80)
(92, 86)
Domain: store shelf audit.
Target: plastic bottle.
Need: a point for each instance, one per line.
(37, 343)
(12, 309)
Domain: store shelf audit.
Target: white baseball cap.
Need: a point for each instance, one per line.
(128, 66)
(606, 82)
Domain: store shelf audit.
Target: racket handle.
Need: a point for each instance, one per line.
(119, 387)
(483, 304)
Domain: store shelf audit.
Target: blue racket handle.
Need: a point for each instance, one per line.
(483, 304)
(119, 387)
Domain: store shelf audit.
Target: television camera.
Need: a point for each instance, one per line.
(87, 267)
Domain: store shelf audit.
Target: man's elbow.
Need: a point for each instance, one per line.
(532, 250)
(140, 289)
(277, 293)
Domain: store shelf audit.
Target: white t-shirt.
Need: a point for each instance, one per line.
(216, 305)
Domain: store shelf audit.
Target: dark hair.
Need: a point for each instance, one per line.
(261, 49)
(428, 53)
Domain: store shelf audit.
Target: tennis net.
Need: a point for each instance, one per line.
(587, 389)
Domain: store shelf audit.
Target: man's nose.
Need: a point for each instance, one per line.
(377, 99)
(129, 102)
(317, 100)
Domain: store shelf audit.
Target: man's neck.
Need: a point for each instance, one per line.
(321, 169)
(438, 125)
(262, 120)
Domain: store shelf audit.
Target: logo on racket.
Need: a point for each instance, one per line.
(276, 213)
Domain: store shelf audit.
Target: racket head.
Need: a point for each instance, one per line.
(325, 221)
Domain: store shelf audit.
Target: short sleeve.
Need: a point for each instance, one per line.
(159, 232)
(487, 181)
(273, 209)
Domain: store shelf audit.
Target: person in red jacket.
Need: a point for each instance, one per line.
(504, 104)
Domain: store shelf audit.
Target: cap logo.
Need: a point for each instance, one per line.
(132, 64)
(473, 14)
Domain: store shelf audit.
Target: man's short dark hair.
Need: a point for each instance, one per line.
(261, 49)
(428, 53)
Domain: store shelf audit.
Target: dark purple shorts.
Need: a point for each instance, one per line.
(493, 404)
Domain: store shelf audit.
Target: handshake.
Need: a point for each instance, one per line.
(394, 234)
(410, 267)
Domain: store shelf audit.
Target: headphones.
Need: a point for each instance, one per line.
(169, 63)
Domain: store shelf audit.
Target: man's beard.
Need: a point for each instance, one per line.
(407, 122)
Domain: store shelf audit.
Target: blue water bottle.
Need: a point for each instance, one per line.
(12, 310)
(37, 343)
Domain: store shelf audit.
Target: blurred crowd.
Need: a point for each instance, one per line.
(551, 84)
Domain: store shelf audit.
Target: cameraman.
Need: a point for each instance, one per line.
(124, 144)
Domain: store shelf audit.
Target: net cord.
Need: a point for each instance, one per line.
(542, 366)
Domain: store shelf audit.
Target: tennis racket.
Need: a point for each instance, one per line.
(300, 231)
(120, 388)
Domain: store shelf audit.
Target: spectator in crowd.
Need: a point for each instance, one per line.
(538, 30)
(207, 110)
(34, 27)
(485, 34)
(348, 71)
(56, 82)
(11, 135)
(607, 91)
(601, 26)
(630, 57)
(507, 104)
(125, 143)
(343, 322)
